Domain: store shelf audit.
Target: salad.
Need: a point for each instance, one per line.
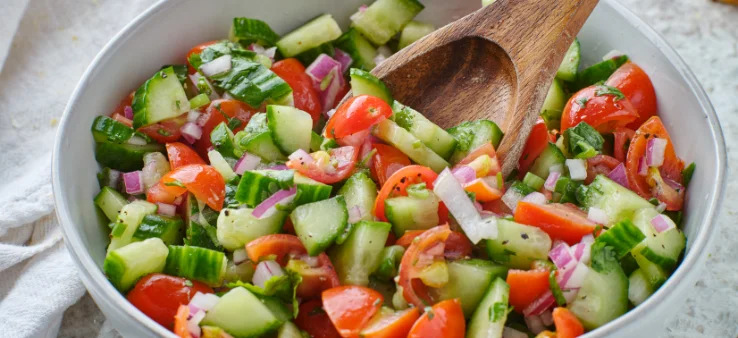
(244, 201)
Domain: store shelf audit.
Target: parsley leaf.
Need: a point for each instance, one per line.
(601, 90)
(582, 102)
(583, 141)
(603, 257)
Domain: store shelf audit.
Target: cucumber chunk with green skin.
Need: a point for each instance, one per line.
(655, 274)
(411, 213)
(199, 101)
(533, 181)
(599, 72)
(472, 135)
(228, 314)
(318, 224)
(237, 227)
(307, 57)
(362, 52)
(247, 30)
(554, 105)
(405, 142)
(291, 128)
(661, 248)
(124, 157)
(622, 237)
(518, 245)
(168, 229)
(364, 83)
(638, 287)
(433, 136)
(389, 262)
(256, 139)
(414, 31)
(602, 297)
(110, 202)
(617, 201)
(126, 265)
(257, 185)
(550, 156)
(315, 141)
(489, 318)
(105, 129)
(289, 330)
(216, 50)
(201, 264)
(309, 190)
(199, 230)
(130, 218)
(312, 34)
(469, 280)
(360, 192)
(159, 98)
(570, 65)
(359, 256)
(385, 18)
(251, 82)
(222, 139)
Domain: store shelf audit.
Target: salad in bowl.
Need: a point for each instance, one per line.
(244, 201)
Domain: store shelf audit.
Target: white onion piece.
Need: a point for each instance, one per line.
(662, 223)
(165, 209)
(204, 301)
(535, 324)
(312, 262)
(556, 168)
(133, 182)
(217, 66)
(553, 177)
(268, 207)
(264, 271)
(240, 256)
(577, 169)
(379, 59)
(598, 216)
(547, 318)
(508, 332)
(193, 324)
(448, 189)
(136, 140)
(191, 132)
(195, 79)
(301, 156)
(247, 162)
(220, 164)
(535, 198)
(193, 115)
(655, 149)
(661, 207)
(511, 199)
(612, 54)
(573, 278)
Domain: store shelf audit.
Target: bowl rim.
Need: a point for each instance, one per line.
(94, 278)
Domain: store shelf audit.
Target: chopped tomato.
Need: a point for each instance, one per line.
(393, 325)
(671, 169)
(567, 324)
(165, 131)
(217, 112)
(281, 246)
(498, 207)
(158, 296)
(180, 154)
(305, 96)
(397, 184)
(600, 108)
(600, 165)
(180, 322)
(357, 114)
(197, 50)
(560, 221)
(313, 320)
(485, 149)
(443, 320)
(483, 191)
(622, 142)
(121, 107)
(526, 287)
(338, 167)
(351, 307)
(386, 162)
(670, 194)
(203, 181)
(635, 84)
(534, 146)
(413, 290)
(315, 279)
(457, 244)
(158, 193)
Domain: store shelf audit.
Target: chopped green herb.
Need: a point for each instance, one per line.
(163, 132)
(601, 90)
(175, 183)
(687, 174)
(582, 102)
(429, 310)
(188, 282)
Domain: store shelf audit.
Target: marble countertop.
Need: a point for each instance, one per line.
(705, 34)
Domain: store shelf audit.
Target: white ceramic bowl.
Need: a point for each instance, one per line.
(165, 32)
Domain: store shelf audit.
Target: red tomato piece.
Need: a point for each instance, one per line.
(600, 165)
(457, 244)
(567, 324)
(316, 279)
(165, 131)
(444, 320)
(386, 162)
(413, 290)
(217, 112)
(305, 96)
(622, 142)
(180, 154)
(125, 102)
(534, 146)
(180, 322)
(281, 246)
(197, 50)
(357, 114)
(498, 207)
(601, 109)
(397, 184)
(344, 159)
(159, 296)
(560, 221)
(396, 325)
(315, 321)
(203, 181)
(122, 119)
(637, 87)
(159, 193)
(526, 287)
(351, 307)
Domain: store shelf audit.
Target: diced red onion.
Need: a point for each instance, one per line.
(547, 318)
(329, 97)
(642, 167)
(598, 216)
(268, 206)
(136, 140)
(464, 174)
(322, 67)
(619, 175)
(582, 250)
(247, 162)
(560, 255)
(662, 223)
(358, 14)
(133, 182)
(344, 59)
(535, 198)
(217, 66)
(448, 189)
(612, 54)
(673, 184)
(128, 112)
(542, 303)
(204, 301)
(577, 169)
(508, 332)
(195, 78)
(553, 177)
(191, 132)
(556, 168)
(193, 324)
(193, 115)
(265, 270)
(355, 214)
(661, 207)
(166, 209)
(573, 278)
(278, 167)
(655, 149)
(535, 324)
(301, 156)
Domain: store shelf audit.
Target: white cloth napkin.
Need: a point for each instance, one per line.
(45, 46)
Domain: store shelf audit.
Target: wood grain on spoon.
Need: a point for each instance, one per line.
(496, 63)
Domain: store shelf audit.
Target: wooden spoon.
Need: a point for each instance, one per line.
(496, 63)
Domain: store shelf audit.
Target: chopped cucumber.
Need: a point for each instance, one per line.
(472, 135)
(318, 224)
(199, 101)
(364, 83)
(291, 128)
(310, 190)
(161, 97)
(638, 287)
(105, 129)
(385, 18)
(110, 202)
(518, 245)
(411, 213)
(124, 157)
(168, 229)
(314, 33)
(228, 314)
(124, 266)
(602, 297)
(389, 262)
(129, 219)
(201, 264)
(359, 256)
(219, 163)
(362, 52)
(622, 237)
(655, 274)
(236, 227)
(550, 156)
(257, 185)
(468, 280)
(533, 181)
(257, 139)
(404, 141)
(307, 57)
(433, 136)
(570, 65)
(617, 201)
(360, 192)
(414, 31)
(289, 330)
(599, 72)
(489, 319)
(661, 248)
(554, 105)
(251, 82)
(246, 30)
